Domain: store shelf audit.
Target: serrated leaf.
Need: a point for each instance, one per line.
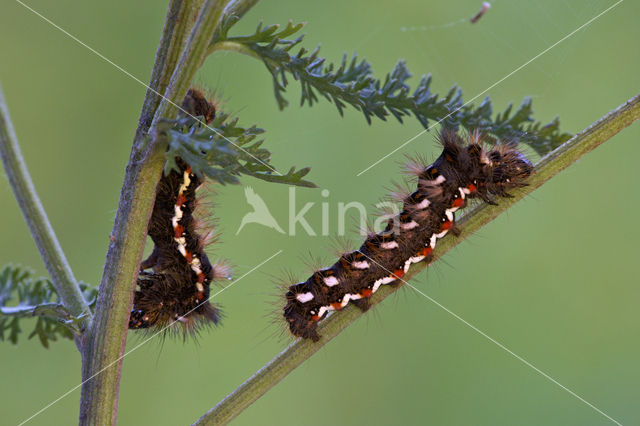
(223, 151)
(351, 83)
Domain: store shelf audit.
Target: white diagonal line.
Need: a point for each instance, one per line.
(493, 85)
(144, 342)
(127, 73)
(500, 345)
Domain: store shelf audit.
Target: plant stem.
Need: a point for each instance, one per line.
(102, 355)
(238, 8)
(176, 28)
(300, 350)
(41, 230)
(234, 46)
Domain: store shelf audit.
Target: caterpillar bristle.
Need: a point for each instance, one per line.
(174, 297)
(466, 169)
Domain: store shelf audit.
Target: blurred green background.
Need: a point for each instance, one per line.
(554, 279)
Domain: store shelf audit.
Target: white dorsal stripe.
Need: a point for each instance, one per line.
(449, 214)
(195, 263)
(442, 234)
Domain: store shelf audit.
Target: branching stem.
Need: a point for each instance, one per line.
(102, 355)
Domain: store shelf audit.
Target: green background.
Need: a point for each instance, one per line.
(554, 279)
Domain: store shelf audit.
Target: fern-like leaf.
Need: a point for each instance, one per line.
(352, 83)
(36, 297)
(223, 151)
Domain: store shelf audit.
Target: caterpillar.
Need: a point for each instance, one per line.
(464, 170)
(176, 290)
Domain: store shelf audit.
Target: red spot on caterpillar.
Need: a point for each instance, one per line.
(398, 273)
(367, 292)
(316, 318)
(178, 231)
(336, 305)
(472, 188)
(446, 225)
(201, 277)
(181, 200)
(189, 256)
(458, 202)
(425, 251)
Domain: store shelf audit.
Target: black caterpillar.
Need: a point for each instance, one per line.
(465, 169)
(176, 290)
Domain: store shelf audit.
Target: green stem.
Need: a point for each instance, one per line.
(54, 259)
(233, 46)
(300, 350)
(191, 59)
(238, 8)
(176, 28)
(102, 355)
(53, 311)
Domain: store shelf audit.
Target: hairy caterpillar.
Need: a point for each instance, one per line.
(465, 169)
(177, 288)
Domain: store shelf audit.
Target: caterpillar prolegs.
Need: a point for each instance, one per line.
(176, 290)
(464, 170)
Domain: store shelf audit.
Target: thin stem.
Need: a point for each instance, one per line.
(191, 59)
(176, 28)
(102, 355)
(233, 46)
(300, 350)
(238, 8)
(41, 230)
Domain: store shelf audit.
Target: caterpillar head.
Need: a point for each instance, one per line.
(508, 168)
(197, 104)
(297, 316)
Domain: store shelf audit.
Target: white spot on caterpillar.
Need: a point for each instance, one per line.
(423, 204)
(363, 264)
(389, 245)
(304, 297)
(440, 179)
(330, 281)
(410, 225)
(200, 287)
(463, 192)
(434, 239)
(322, 311)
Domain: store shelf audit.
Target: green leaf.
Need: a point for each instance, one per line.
(36, 297)
(352, 83)
(223, 151)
